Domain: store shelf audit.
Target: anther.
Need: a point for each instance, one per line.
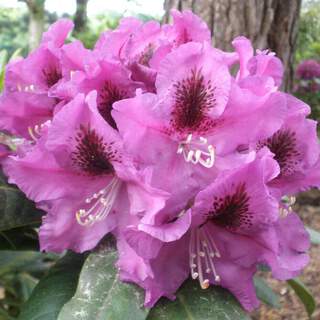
(202, 149)
(195, 275)
(201, 262)
(205, 284)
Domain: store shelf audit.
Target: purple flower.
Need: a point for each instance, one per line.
(142, 47)
(23, 113)
(232, 226)
(186, 27)
(260, 73)
(296, 149)
(80, 173)
(308, 70)
(150, 136)
(197, 120)
(29, 98)
(25, 103)
(42, 69)
(111, 81)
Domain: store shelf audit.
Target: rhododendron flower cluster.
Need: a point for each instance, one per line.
(308, 69)
(190, 156)
(308, 75)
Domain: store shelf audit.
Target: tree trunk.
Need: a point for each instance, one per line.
(36, 21)
(80, 18)
(269, 24)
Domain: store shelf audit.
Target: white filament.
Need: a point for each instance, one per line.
(202, 251)
(102, 204)
(197, 151)
(35, 132)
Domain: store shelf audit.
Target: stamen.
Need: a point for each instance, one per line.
(24, 88)
(193, 151)
(35, 132)
(199, 261)
(31, 133)
(202, 251)
(102, 204)
(29, 88)
(192, 256)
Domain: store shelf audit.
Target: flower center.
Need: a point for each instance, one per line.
(101, 204)
(182, 38)
(51, 76)
(232, 211)
(197, 151)
(92, 155)
(108, 95)
(284, 146)
(202, 252)
(193, 99)
(146, 55)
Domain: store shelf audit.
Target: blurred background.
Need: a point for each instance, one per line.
(291, 28)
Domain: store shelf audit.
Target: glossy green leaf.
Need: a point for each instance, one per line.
(54, 290)
(101, 295)
(193, 303)
(265, 293)
(304, 295)
(15, 209)
(314, 236)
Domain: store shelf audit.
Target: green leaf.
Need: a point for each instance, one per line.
(16, 54)
(314, 235)
(194, 303)
(27, 284)
(15, 209)
(15, 261)
(3, 61)
(265, 293)
(101, 295)
(54, 290)
(19, 239)
(4, 315)
(304, 295)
